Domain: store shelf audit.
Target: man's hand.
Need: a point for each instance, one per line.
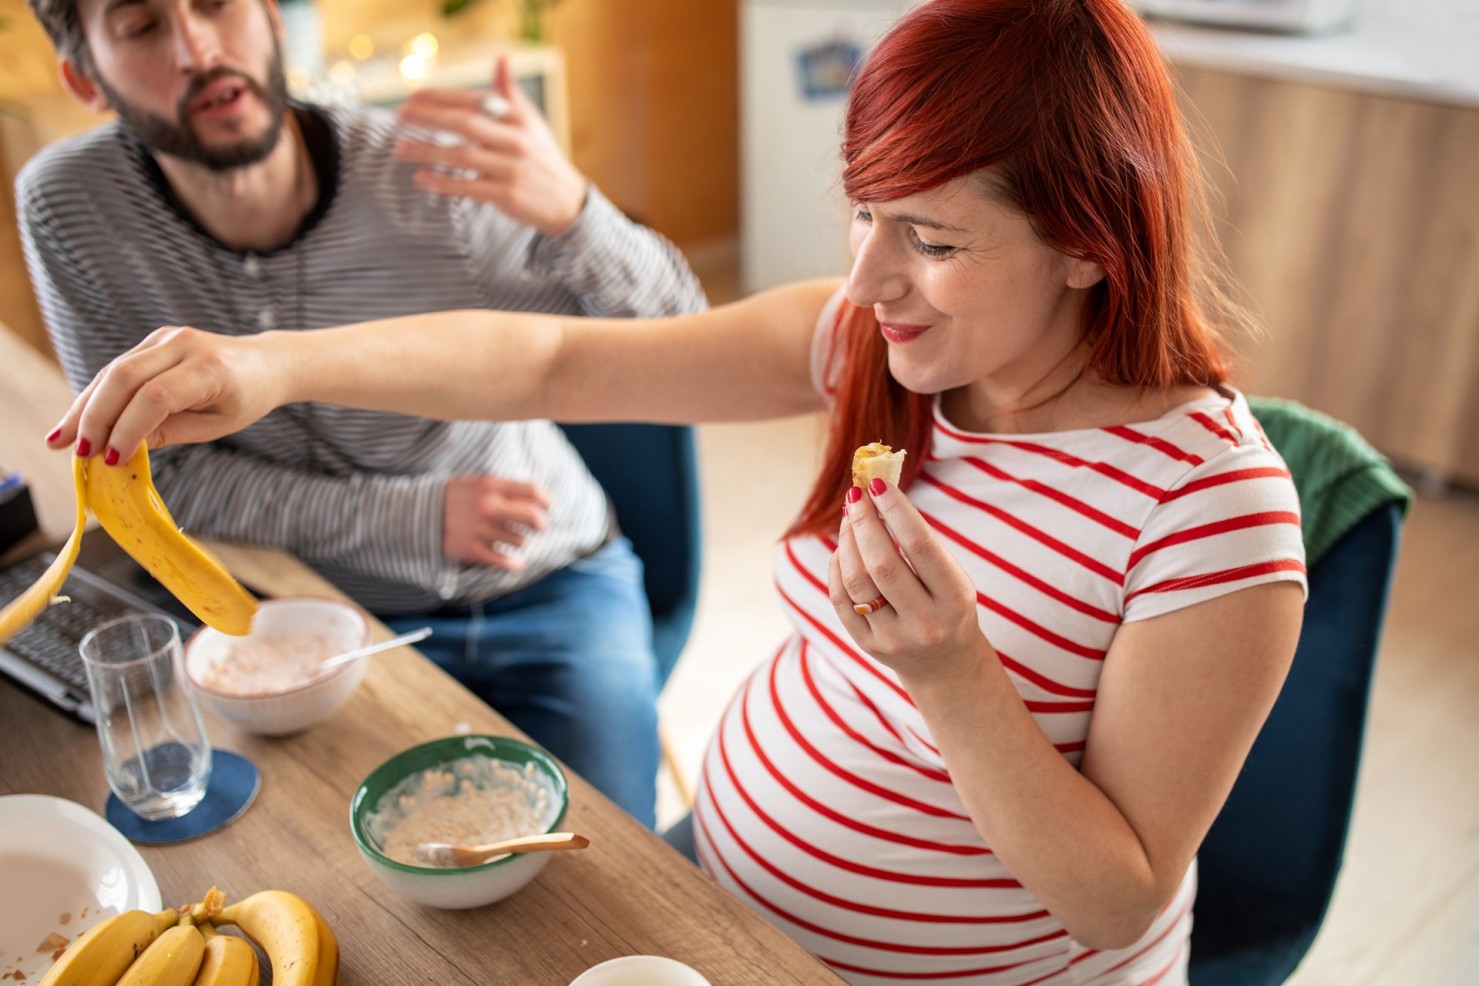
(510, 160)
(485, 520)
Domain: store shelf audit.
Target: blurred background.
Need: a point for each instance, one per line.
(1342, 139)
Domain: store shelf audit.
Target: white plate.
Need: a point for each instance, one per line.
(62, 870)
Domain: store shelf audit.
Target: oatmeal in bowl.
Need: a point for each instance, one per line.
(269, 681)
(461, 790)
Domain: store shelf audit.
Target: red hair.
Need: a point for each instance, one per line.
(1070, 103)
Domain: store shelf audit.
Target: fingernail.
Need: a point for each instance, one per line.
(84, 447)
(111, 458)
(53, 436)
(854, 493)
(876, 486)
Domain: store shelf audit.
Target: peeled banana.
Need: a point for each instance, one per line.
(105, 951)
(229, 961)
(25, 607)
(124, 500)
(297, 940)
(172, 959)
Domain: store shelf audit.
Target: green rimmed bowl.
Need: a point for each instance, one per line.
(467, 886)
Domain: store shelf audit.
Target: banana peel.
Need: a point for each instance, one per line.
(125, 502)
(29, 604)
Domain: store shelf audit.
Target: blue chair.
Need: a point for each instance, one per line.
(1269, 863)
(650, 472)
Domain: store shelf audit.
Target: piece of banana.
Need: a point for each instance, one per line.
(172, 959)
(25, 607)
(299, 944)
(229, 961)
(124, 500)
(101, 954)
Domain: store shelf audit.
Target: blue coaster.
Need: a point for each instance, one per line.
(233, 786)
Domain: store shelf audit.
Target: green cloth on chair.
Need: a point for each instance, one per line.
(1339, 476)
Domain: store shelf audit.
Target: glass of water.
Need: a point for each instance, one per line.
(155, 751)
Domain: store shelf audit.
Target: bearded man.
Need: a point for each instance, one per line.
(214, 200)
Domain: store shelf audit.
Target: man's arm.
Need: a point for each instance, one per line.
(510, 164)
(618, 268)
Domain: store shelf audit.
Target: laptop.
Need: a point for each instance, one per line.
(105, 583)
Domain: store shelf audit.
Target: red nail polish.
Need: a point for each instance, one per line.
(84, 447)
(876, 486)
(854, 494)
(111, 458)
(53, 436)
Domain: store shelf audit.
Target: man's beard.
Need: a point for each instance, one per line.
(177, 139)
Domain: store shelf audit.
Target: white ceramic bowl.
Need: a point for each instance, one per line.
(325, 625)
(640, 970)
(467, 886)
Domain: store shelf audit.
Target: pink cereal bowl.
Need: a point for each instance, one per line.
(300, 630)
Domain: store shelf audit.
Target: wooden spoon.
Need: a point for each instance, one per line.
(444, 854)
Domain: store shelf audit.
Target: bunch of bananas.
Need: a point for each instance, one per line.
(180, 946)
(128, 506)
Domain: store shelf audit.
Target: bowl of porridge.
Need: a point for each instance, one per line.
(268, 682)
(467, 790)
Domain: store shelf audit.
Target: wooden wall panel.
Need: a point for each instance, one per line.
(1352, 223)
(654, 108)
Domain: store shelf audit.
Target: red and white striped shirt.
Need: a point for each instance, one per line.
(825, 802)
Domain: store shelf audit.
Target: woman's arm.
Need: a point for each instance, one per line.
(744, 361)
(1179, 704)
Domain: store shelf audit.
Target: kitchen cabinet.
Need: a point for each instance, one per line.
(1351, 220)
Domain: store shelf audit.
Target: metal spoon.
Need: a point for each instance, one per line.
(444, 854)
(354, 655)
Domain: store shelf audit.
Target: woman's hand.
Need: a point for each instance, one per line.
(885, 549)
(509, 159)
(179, 385)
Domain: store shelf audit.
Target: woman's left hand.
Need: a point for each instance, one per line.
(509, 157)
(886, 550)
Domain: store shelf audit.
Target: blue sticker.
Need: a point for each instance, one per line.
(826, 69)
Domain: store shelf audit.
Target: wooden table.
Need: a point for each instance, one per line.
(628, 893)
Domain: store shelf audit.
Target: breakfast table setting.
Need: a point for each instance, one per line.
(295, 857)
(627, 894)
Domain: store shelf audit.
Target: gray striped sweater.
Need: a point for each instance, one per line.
(357, 494)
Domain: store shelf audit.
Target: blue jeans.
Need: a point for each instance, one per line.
(569, 661)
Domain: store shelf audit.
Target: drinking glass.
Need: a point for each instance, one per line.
(155, 751)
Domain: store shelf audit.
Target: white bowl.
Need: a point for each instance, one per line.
(640, 970)
(460, 887)
(328, 625)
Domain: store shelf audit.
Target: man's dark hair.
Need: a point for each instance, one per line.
(62, 25)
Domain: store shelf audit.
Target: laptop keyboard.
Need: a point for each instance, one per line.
(51, 640)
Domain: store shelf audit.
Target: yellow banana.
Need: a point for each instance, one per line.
(294, 935)
(172, 960)
(328, 953)
(229, 961)
(102, 953)
(25, 607)
(124, 500)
